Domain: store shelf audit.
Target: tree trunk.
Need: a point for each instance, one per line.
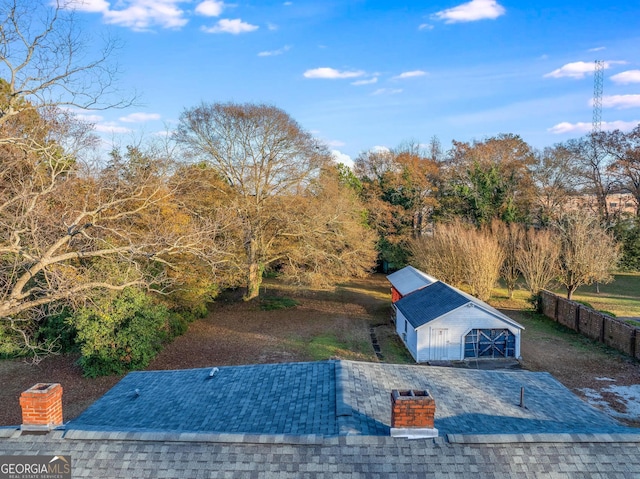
(570, 292)
(254, 272)
(253, 282)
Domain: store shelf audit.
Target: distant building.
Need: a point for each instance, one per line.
(617, 203)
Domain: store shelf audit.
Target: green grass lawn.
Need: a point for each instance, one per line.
(620, 297)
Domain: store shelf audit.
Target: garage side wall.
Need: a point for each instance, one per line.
(407, 334)
(457, 323)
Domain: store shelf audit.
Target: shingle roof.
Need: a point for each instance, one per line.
(430, 303)
(409, 279)
(483, 433)
(342, 458)
(332, 398)
(348, 457)
(258, 399)
(438, 299)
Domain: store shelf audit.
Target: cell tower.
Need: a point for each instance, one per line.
(598, 74)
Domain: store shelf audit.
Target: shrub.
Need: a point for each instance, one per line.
(121, 333)
(58, 330)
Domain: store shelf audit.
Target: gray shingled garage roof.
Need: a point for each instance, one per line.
(332, 398)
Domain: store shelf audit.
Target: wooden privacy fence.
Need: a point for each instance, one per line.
(593, 324)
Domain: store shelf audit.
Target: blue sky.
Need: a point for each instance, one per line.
(360, 74)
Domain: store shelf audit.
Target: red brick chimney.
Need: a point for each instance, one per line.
(412, 413)
(41, 407)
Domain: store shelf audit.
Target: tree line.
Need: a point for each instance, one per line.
(481, 210)
(111, 255)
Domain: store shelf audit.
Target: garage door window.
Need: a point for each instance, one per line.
(490, 343)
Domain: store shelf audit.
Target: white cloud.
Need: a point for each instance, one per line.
(380, 149)
(370, 81)
(471, 12)
(335, 143)
(235, 27)
(140, 117)
(425, 26)
(579, 70)
(583, 127)
(111, 127)
(210, 8)
(273, 53)
(630, 76)
(90, 118)
(332, 73)
(287, 4)
(411, 74)
(92, 6)
(566, 127)
(163, 133)
(572, 70)
(343, 158)
(621, 101)
(272, 26)
(387, 91)
(143, 14)
(597, 49)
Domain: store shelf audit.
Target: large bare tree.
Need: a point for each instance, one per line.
(588, 253)
(593, 170)
(556, 178)
(624, 150)
(67, 230)
(265, 156)
(44, 61)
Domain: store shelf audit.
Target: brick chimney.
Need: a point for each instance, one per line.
(41, 407)
(412, 414)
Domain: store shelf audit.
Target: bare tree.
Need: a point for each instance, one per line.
(264, 156)
(459, 254)
(624, 149)
(556, 179)
(588, 252)
(441, 254)
(509, 238)
(43, 60)
(484, 257)
(593, 170)
(537, 258)
(67, 232)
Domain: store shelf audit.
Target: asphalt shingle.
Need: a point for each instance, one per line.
(430, 303)
(256, 399)
(330, 420)
(331, 398)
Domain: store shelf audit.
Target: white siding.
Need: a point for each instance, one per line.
(407, 333)
(457, 323)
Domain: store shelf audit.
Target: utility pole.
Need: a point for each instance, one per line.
(596, 125)
(598, 75)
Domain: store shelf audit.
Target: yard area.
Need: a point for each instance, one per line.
(329, 324)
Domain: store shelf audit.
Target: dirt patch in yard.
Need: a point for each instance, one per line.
(324, 324)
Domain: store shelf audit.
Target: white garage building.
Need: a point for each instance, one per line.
(439, 322)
